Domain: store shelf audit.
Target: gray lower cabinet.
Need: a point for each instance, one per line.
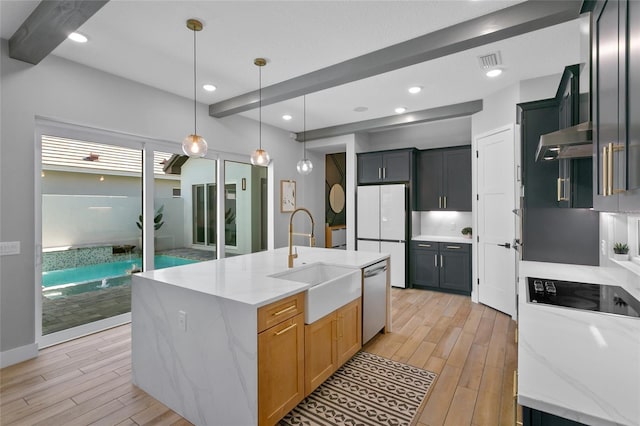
(441, 266)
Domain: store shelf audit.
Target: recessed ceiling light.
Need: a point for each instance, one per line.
(494, 72)
(415, 89)
(77, 37)
(400, 110)
(287, 117)
(209, 87)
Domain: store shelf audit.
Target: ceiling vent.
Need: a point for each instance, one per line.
(490, 60)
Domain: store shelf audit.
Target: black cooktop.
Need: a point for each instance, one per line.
(590, 297)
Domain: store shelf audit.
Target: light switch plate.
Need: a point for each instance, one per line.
(9, 247)
(182, 320)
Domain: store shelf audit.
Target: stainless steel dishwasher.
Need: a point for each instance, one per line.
(374, 300)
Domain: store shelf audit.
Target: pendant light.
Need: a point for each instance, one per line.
(194, 145)
(305, 165)
(260, 157)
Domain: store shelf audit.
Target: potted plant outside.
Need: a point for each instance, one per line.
(620, 251)
(157, 224)
(467, 232)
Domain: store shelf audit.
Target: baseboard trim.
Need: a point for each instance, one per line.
(17, 355)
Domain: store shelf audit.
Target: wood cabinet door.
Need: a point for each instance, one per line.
(321, 357)
(396, 166)
(605, 102)
(630, 200)
(280, 369)
(425, 271)
(457, 179)
(429, 186)
(455, 271)
(349, 330)
(369, 168)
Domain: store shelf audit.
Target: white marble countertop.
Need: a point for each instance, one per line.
(580, 365)
(443, 239)
(246, 279)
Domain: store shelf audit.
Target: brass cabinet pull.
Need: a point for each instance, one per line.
(605, 170)
(559, 189)
(435, 260)
(445, 201)
(439, 202)
(610, 169)
(286, 329)
(340, 326)
(290, 308)
(441, 262)
(384, 173)
(424, 245)
(379, 173)
(454, 247)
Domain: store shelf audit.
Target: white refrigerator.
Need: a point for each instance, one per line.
(381, 225)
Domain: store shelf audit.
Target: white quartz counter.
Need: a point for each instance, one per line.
(443, 239)
(246, 279)
(580, 365)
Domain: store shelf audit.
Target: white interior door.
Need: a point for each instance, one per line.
(368, 212)
(496, 223)
(397, 252)
(392, 212)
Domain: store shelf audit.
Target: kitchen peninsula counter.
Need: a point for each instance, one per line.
(194, 329)
(577, 364)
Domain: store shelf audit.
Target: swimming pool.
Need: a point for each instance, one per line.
(74, 276)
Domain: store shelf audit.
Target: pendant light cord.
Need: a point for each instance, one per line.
(260, 105)
(304, 127)
(195, 119)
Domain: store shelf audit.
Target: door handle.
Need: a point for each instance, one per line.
(505, 245)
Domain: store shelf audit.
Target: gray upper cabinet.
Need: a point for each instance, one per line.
(385, 166)
(616, 105)
(444, 179)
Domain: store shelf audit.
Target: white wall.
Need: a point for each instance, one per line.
(71, 93)
(435, 134)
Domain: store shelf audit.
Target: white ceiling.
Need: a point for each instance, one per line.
(147, 41)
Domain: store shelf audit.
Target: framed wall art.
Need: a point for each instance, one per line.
(287, 195)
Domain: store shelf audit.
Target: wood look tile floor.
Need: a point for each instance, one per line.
(87, 381)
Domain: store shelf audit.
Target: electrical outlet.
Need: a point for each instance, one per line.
(182, 320)
(9, 247)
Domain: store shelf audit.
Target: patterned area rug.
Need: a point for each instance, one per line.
(368, 390)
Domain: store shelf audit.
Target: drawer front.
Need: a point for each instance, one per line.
(279, 311)
(424, 245)
(455, 247)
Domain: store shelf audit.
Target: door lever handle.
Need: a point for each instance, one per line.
(505, 245)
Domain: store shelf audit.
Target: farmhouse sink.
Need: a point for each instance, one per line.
(332, 287)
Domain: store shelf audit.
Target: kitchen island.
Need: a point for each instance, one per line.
(195, 329)
(578, 364)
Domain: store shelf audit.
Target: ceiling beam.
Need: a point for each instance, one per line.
(385, 123)
(49, 25)
(509, 22)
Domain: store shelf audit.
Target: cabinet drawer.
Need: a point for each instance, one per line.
(418, 245)
(279, 311)
(455, 247)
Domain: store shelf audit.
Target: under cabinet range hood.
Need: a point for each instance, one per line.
(572, 142)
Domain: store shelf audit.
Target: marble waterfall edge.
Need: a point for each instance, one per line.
(208, 373)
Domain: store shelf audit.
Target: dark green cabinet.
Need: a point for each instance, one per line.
(441, 266)
(385, 166)
(616, 105)
(444, 179)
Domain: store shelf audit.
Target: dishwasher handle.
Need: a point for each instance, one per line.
(376, 270)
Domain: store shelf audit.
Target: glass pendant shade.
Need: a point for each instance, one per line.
(304, 166)
(194, 146)
(260, 157)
